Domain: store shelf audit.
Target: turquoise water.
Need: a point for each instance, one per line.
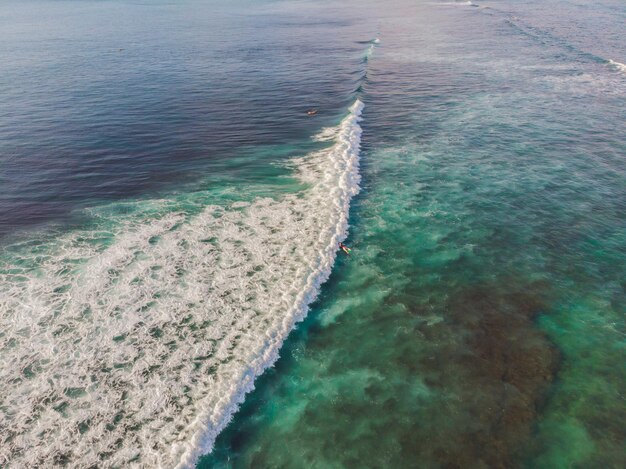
(161, 239)
(479, 321)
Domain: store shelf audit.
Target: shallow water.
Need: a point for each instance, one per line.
(479, 321)
(168, 210)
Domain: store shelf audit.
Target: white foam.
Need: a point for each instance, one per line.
(134, 347)
(617, 65)
(326, 134)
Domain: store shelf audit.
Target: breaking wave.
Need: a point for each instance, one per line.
(135, 345)
(617, 66)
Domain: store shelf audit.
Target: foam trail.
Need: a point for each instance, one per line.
(132, 344)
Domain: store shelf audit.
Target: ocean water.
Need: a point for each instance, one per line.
(168, 212)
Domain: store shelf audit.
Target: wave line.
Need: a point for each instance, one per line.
(133, 343)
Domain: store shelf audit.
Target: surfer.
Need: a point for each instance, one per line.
(311, 112)
(345, 248)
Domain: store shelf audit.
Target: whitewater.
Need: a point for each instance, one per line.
(133, 346)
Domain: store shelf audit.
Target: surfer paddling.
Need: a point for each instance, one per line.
(311, 112)
(345, 248)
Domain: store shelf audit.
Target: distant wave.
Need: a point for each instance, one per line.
(545, 37)
(135, 342)
(464, 3)
(370, 50)
(371, 41)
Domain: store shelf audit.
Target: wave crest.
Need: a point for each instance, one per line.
(617, 66)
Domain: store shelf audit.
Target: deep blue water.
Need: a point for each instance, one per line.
(107, 100)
